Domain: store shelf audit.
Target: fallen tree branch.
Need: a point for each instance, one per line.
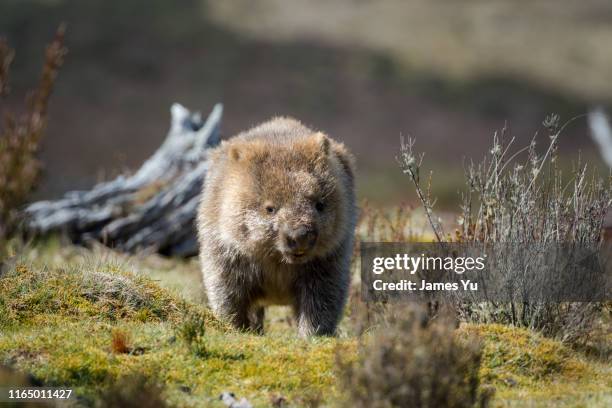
(152, 209)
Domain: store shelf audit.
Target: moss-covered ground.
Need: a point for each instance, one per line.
(94, 319)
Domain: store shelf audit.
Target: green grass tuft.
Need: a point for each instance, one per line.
(77, 291)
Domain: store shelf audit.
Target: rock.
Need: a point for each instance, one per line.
(229, 399)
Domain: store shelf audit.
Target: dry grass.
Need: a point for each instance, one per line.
(120, 342)
(6, 58)
(395, 224)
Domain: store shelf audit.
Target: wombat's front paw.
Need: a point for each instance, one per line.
(307, 328)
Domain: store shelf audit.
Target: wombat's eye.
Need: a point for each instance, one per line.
(270, 209)
(319, 206)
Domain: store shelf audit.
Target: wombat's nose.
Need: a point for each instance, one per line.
(301, 239)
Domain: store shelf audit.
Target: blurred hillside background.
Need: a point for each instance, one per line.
(365, 71)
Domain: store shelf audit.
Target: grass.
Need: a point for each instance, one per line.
(246, 364)
(82, 324)
(93, 320)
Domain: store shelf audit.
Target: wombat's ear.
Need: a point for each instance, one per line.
(246, 151)
(322, 142)
(347, 160)
(234, 152)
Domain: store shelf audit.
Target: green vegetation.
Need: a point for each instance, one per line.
(96, 321)
(60, 320)
(527, 368)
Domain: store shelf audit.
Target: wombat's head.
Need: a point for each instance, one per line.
(288, 202)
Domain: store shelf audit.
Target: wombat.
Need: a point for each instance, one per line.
(276, 224)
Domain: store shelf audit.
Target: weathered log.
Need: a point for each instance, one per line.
(601, 132)
(152, 209)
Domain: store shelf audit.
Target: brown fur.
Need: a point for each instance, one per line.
(276, 225)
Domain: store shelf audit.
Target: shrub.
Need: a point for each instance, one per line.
(20, 134)
(413, 361)
(528, 202)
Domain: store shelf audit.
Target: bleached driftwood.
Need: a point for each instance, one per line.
(152, 209)
(601, 132)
